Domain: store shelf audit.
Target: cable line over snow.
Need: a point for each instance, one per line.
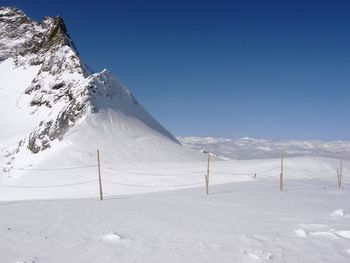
(153, 186)
(49, 186)
(110, 173)
(50, 169)
(153, 174)
(316, 171)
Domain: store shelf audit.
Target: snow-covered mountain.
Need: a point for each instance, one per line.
(55, 112)
(51, 100)
(251, 148)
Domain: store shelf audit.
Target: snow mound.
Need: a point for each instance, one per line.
(259, 254)
(301, 233)
(112, 237)
(338, 212)
(324, 234)
(344, 234)
(33, 260)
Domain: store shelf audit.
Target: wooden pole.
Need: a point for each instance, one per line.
(281, 174)
(341, 170)
(99, 174)
(207, 176)
(338, 178)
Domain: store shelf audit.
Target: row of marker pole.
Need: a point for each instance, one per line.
(339, 171)
(208, 170)
(339, 174)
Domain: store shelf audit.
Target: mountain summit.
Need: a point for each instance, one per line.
(48, 92)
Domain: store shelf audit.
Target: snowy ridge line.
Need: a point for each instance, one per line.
(50, 169)
(153, 186)
(152, 174)
(49, 186)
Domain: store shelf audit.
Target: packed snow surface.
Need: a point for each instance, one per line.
(245, 218)
(249, 221)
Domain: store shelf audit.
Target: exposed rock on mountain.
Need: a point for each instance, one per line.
(54, 88)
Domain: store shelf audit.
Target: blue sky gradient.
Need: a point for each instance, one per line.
(272, 69)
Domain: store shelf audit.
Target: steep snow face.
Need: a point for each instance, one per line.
(46, 90)
(14, 107)
(106, 92)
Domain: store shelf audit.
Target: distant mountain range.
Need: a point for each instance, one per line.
(250, 148)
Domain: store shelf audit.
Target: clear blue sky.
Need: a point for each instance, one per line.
(273, 69)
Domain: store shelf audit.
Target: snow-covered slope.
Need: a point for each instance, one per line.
(51, 100)
(251, 148)
(244, 222)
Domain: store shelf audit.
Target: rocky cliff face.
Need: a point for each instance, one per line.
(64, 90)
(48, 44)
(28, 41)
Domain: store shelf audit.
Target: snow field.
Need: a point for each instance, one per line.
(55, 180)
(238, 222)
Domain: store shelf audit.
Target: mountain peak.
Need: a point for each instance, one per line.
(57, 33)
(23, 37)
(44, 80)
(12, 14)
